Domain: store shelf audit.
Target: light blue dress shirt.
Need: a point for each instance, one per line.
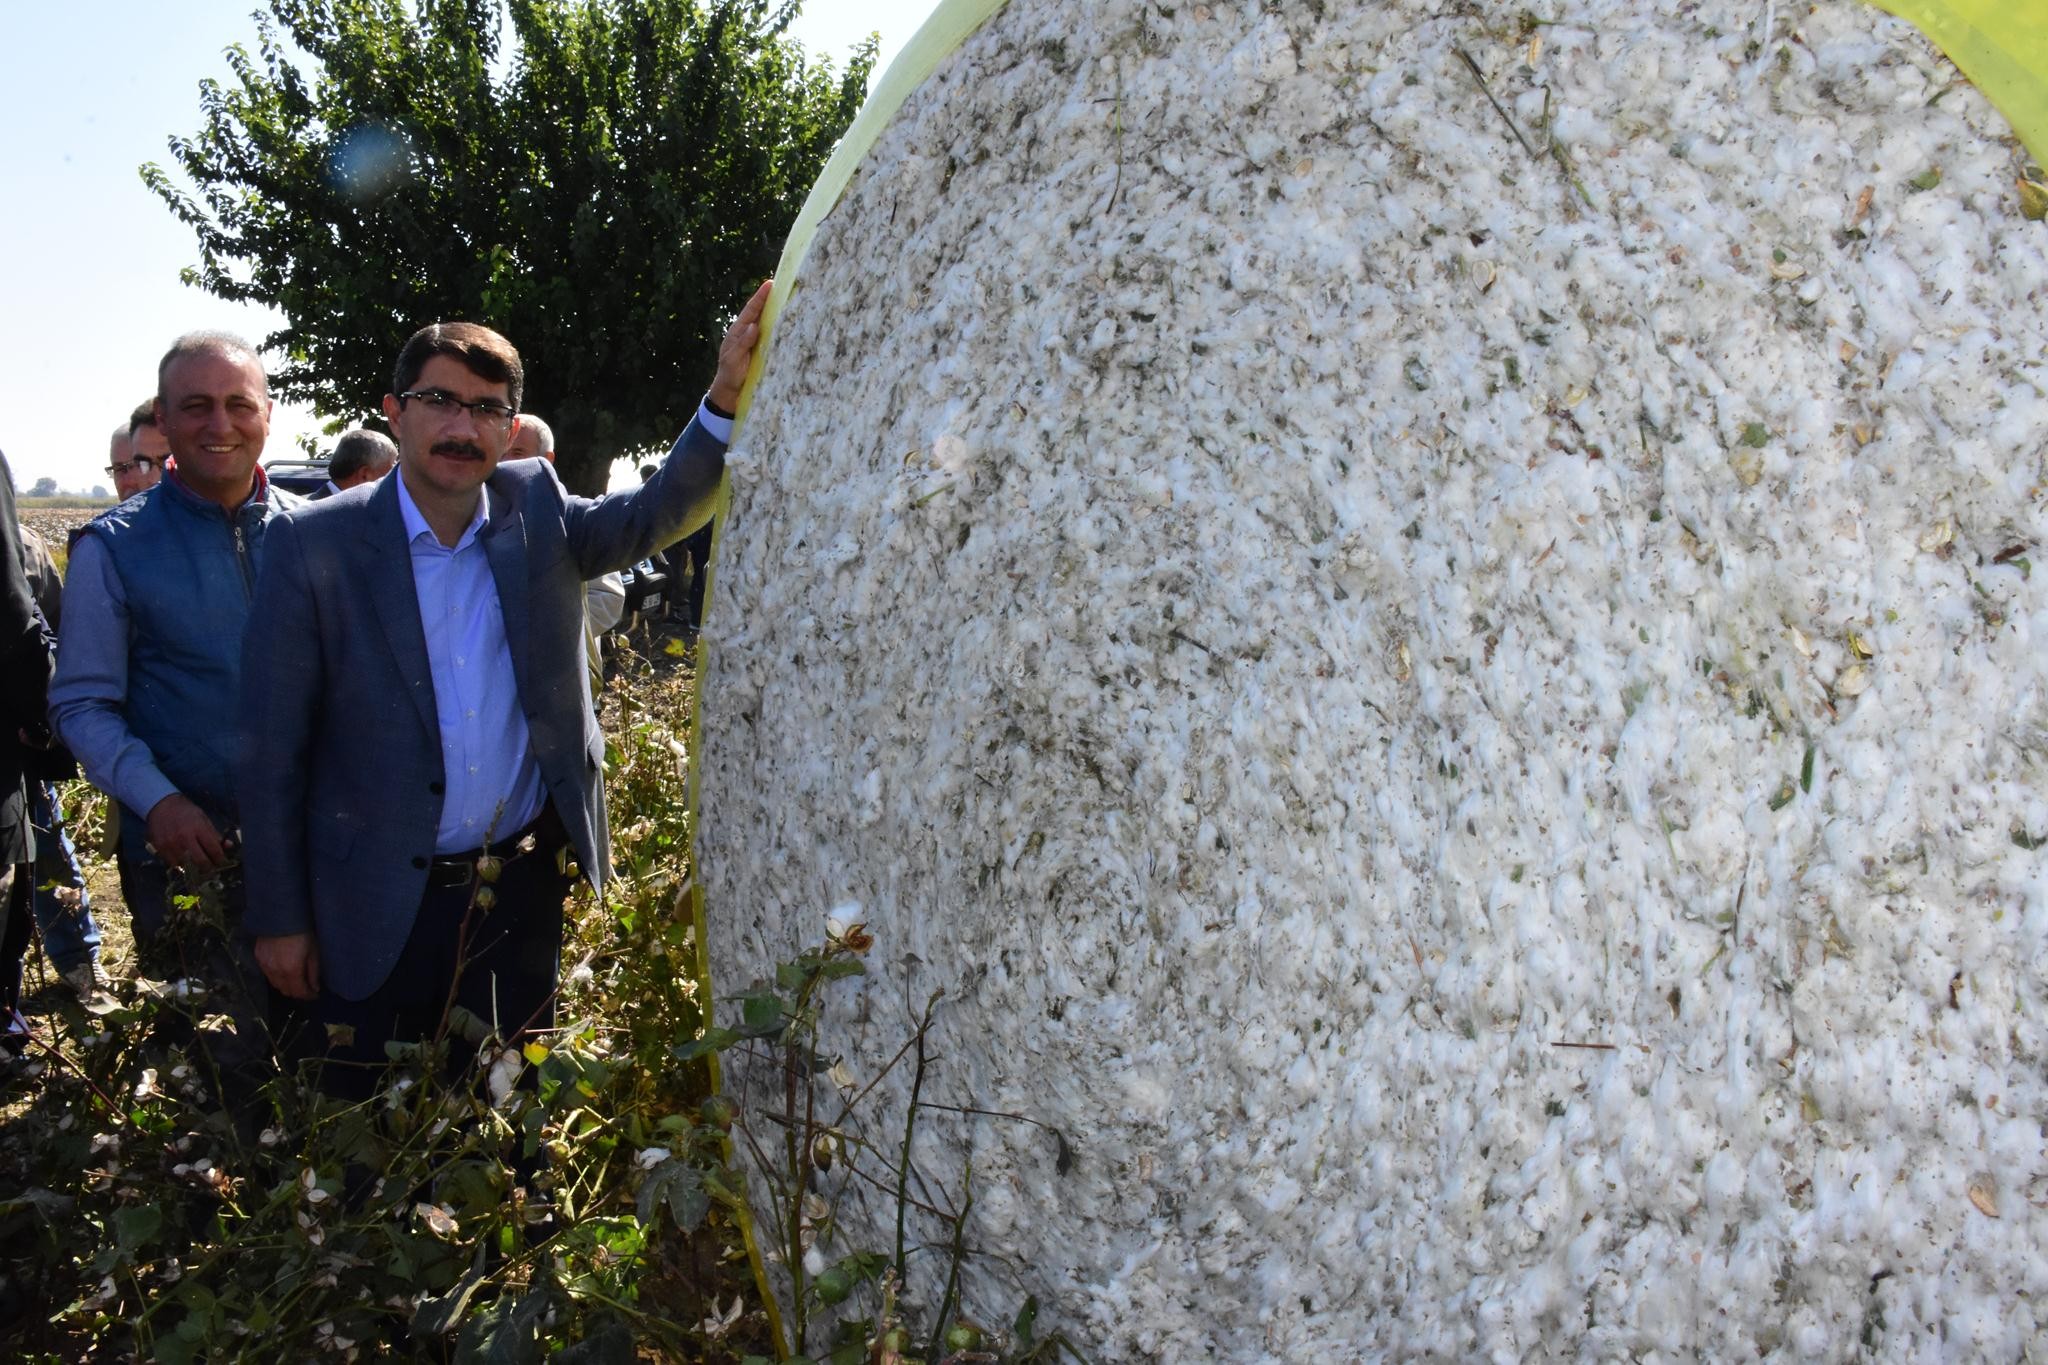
(492, 777)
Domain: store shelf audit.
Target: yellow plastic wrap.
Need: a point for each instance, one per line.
(2002, 46)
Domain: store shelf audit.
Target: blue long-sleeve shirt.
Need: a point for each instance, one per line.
(91, 686)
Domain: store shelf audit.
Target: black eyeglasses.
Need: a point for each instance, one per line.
(485, 412)
(142, 462)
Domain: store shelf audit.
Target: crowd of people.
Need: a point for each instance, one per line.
(362, 718)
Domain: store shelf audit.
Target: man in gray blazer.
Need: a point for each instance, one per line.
(413, 848)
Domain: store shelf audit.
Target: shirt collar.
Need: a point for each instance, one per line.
(259, 487)
(416, 523)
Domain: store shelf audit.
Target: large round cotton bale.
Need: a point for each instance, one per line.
(1441, 660)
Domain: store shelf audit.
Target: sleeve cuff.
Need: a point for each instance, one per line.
(716, 424)
(141, 792)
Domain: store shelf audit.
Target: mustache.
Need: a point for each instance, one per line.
(461, 450)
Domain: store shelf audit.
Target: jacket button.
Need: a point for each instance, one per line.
(436, 788)
(419, 862)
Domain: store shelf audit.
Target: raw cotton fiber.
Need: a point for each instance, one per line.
(1454, 696)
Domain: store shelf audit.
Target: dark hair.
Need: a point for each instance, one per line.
(143, 416)
(358, 450)
(479, 349)
(208, 343)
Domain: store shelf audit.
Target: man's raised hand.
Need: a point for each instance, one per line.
(736, 352)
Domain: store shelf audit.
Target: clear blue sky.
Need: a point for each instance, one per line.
(89, 258)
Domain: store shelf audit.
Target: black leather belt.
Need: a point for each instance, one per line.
(543, 832)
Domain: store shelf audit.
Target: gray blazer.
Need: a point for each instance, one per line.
(340, 779)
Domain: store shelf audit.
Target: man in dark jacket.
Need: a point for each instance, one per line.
(390, 877)
(24, 696)
(63, 905)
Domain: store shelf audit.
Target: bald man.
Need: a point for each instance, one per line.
(359, 457)
(604, 597)
(149, 666)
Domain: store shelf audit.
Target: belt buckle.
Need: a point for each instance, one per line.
(451, 872)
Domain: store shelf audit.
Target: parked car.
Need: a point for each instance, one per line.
(302, 476)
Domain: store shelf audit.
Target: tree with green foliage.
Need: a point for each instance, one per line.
(603, 181)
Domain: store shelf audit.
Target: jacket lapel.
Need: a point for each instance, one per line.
(505, 546)
(387, 568)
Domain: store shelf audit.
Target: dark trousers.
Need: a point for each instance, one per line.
(70, 937)
(498, 963)
(145, 881)
(17, 921)
(694, 553)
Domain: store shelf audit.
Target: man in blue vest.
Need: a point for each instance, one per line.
(155, 600)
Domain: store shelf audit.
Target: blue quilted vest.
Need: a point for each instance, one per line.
(188, 570)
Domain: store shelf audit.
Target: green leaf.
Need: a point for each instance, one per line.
(174, 1348)
(680, 1186)
(136, 1226)
(468, 1025)
(439, 1315)
(1806, 770)
(1927, 179)
(1756, 435)
(716, 1039)
(863, 1266)
(506, 1332)
(761, 1014)
(1026, 1323)
(832, 1286)
(689, 1206)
